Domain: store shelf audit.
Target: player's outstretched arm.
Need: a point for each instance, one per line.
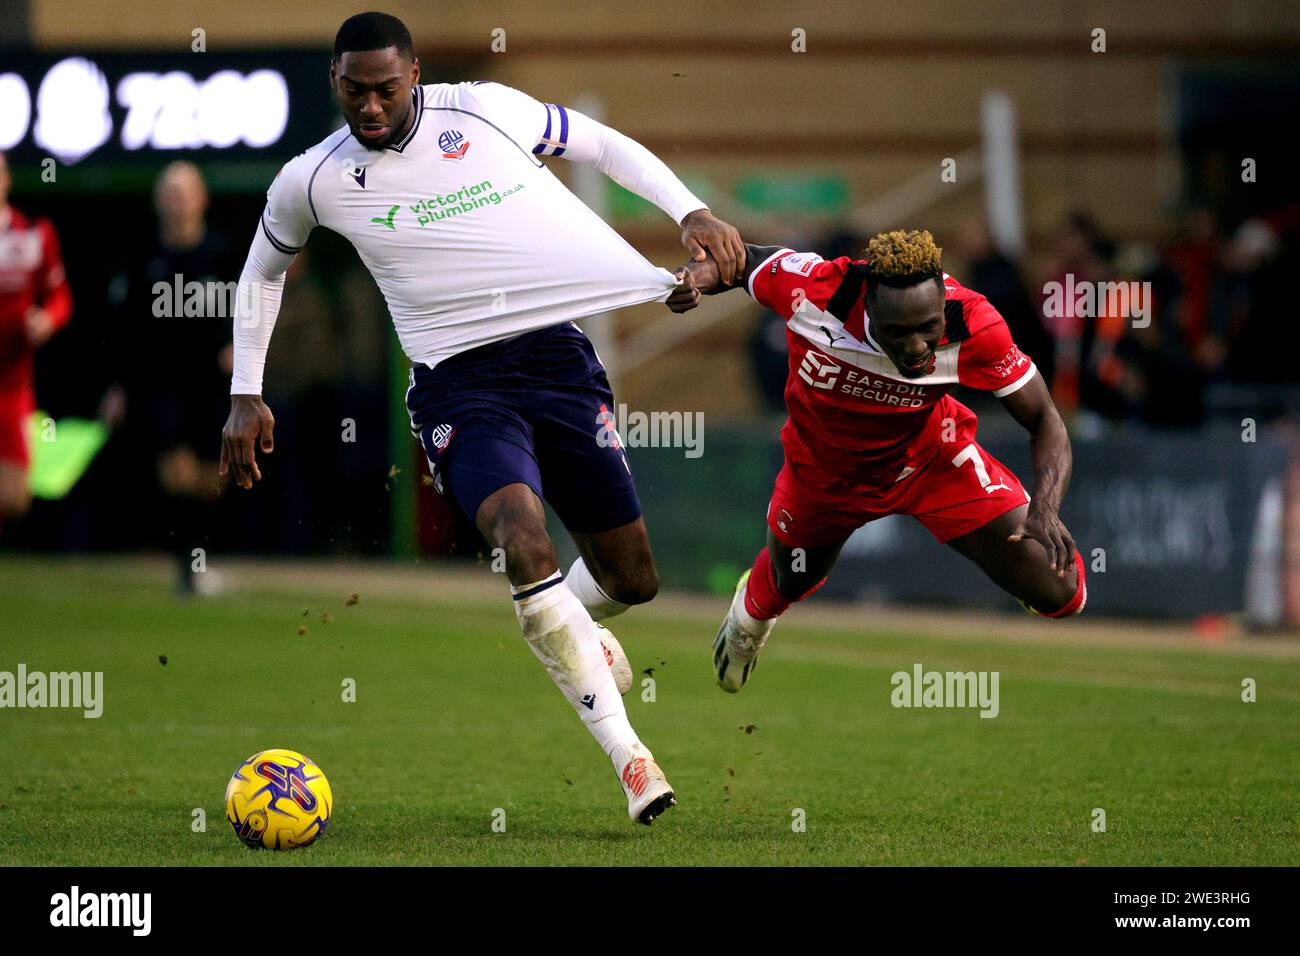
(640, 171)
(1049, 445)
(257, 305)
(549, 129)
(698, 277)
(285, 224)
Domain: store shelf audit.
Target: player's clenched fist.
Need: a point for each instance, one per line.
(249, 419)
(686, 296)
(695, 279)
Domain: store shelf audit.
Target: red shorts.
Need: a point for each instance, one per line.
(15, 411)
(961, 489)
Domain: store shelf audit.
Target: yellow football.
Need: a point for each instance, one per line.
(278, 799)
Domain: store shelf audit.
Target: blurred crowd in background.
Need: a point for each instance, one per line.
(1212, 348)
(160, 384)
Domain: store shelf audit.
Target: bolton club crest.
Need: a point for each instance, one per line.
(453, 144)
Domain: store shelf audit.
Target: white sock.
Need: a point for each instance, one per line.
(593, 597)
(748, 623)
(564, 638)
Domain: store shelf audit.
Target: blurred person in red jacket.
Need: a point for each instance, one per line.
(34, 304)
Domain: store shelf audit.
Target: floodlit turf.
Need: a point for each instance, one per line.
(454, 718)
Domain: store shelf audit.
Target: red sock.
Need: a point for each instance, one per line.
(1076, 603)
(762, 600)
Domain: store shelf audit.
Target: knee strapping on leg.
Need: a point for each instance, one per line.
(1077, 601)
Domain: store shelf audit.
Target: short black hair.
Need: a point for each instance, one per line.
(372, 31)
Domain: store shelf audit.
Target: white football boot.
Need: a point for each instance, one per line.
(647, 789)
(618, 663)
(740, 638)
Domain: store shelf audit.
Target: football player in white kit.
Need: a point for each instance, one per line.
(486, 261)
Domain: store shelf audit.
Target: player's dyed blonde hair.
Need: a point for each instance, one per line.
(902, 258)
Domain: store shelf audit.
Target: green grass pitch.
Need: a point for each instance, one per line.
(454, 718)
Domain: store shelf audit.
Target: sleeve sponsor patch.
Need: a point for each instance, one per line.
(1011, 362)
(800, 263)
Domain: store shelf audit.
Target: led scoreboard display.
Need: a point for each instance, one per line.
(118, 107)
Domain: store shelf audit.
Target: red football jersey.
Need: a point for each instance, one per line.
(853, 415)
(31, 274)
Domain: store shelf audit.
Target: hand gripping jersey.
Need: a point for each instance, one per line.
(853, 415)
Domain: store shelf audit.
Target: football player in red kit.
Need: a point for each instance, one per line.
(34, 304)
(876, 345)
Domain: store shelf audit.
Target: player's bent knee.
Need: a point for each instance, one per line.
(1067, 600)
(519, 529)
(506, 514)
(633, 589)
(523, 543)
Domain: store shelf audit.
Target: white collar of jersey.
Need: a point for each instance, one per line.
(866, 332)
(814, 324)
(809, 320)
(417, 98)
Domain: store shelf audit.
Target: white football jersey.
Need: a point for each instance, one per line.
(469, 236)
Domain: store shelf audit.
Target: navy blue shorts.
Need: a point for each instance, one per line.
(530, 409)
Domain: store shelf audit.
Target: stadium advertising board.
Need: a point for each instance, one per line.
(146, 107)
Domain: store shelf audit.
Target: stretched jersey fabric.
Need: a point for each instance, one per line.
(469, 236)
(31, 275)
(853, 416)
